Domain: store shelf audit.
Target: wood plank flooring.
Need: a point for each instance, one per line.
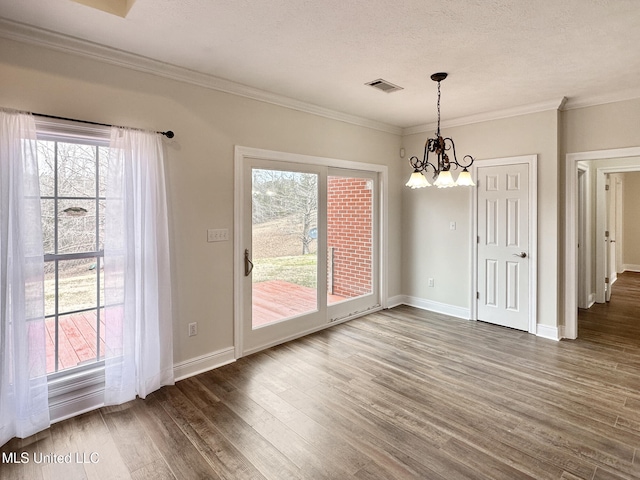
(398, 394)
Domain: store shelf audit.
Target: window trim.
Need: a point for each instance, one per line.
(78, 389)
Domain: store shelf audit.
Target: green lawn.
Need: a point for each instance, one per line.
(298, 269)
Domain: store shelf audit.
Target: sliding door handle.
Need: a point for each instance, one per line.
(248, 264)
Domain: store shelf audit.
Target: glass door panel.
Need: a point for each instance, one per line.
(352, 242)
(350, 206)
(284, 245)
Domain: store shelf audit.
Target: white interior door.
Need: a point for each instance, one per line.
(503, 245)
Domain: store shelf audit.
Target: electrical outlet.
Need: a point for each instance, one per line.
(217, 235)
(431, 282)
(193, 329)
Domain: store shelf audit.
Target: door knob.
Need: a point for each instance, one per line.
(521, 255)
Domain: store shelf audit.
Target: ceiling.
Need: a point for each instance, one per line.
(501, 55)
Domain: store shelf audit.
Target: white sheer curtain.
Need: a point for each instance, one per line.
(138, 320)
(24, 403)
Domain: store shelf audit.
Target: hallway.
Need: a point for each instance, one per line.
(616, 323)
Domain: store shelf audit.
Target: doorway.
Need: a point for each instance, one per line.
(628, 156)
(308, 240)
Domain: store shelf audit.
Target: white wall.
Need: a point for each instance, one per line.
(631, 225)
(207, 125)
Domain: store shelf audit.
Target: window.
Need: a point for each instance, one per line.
(72, 167)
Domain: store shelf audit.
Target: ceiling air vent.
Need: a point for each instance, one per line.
(384, 86)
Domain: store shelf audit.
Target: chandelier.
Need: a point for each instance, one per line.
(439, 147)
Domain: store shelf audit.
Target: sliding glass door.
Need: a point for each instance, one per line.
(308, 249)
(284, 245)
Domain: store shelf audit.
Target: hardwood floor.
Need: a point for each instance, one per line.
(399, 394)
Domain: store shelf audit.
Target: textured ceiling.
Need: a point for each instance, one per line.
(500, 54)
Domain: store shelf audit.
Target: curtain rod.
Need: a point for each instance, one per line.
(168, 133)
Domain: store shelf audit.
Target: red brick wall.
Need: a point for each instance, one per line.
(349, 233)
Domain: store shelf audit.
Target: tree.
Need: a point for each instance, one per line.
(290, 196)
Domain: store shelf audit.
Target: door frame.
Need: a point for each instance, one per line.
(585, 292)
(241, 155)
(532, 162)
(570, 329)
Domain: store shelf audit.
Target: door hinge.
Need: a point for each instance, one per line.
(606, 234)
(606, 280)
(606, 187)
(477, 295)
(478, 238)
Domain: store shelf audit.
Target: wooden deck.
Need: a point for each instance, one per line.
(77, 336)
(273, 301)
(276, 300)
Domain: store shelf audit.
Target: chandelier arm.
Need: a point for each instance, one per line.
(427, 163)
(452, 146)
(465, 166)
(422, 165)
(416, 163)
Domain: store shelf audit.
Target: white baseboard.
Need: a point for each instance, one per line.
(437, 307)
(629, 267)
(81, 393)
(395, 301)
(546, 331)
(76, 406)
(591, 299)
(203, 363)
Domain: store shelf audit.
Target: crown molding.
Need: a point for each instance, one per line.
(485, 117)
(602, 99)
(28, 34)
(45, 38)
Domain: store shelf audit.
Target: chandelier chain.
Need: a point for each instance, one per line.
(438, 108)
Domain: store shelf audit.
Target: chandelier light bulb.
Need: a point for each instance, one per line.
(445, 180)
(417, 180)
(464, 179)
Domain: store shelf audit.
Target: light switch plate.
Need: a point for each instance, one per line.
(217, 235)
